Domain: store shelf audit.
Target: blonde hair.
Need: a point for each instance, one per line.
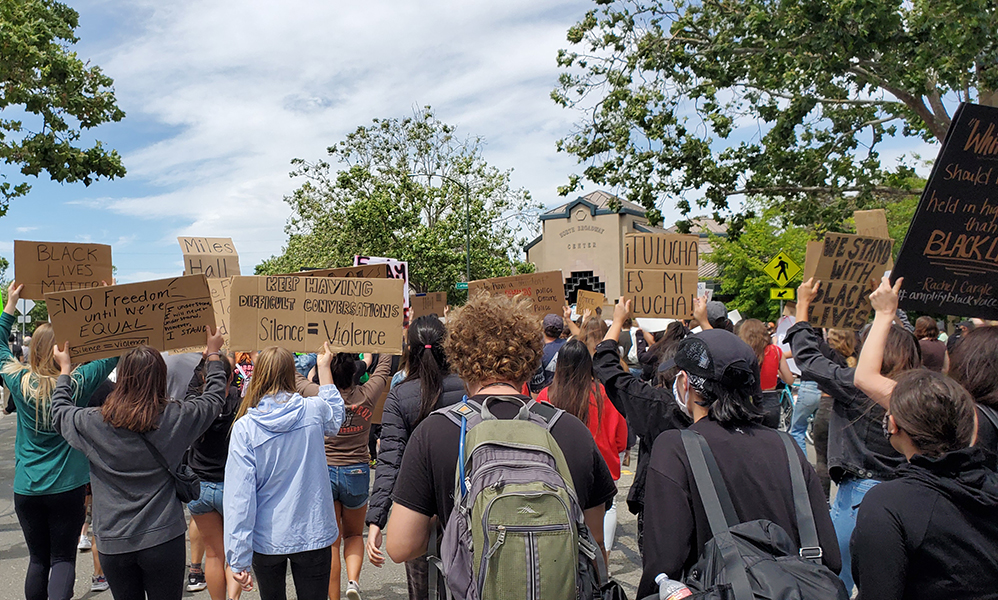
(753, 332)
(273, 372)
(42, 373)
(843, 341)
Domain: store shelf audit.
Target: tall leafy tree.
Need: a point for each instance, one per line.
(788, 100)
(408, 189)
(48, 97)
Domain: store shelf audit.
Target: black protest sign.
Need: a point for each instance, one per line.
(949, 259)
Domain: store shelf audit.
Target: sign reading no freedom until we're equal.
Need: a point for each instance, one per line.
(301, 313)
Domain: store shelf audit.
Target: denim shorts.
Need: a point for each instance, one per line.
(210, 499)
(351, 485)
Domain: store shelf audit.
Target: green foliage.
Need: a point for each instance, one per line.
(58, 95)
(786, 99)
(740, 260)
(408, 189)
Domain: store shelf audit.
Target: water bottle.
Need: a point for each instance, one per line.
(669, 589)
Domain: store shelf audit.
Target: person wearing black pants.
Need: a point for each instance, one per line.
(156, 571)
(309, 570)
(51, 524)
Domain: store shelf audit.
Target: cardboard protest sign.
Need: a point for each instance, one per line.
(211, 257)
(432, 303)
(589, 300)
(873, 223)
(373, 271)
(547, 289)
(300, 313)
(811, 258)
(848, 268)
(106, 321)
(397, 269)
(45, 267)
(661, 274)
(949, 258)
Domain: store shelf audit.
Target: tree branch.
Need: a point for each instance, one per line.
(913, 102)
(790, 189)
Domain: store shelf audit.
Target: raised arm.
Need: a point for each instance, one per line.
(567, 316)
(7, 321)
(63, 410)
(868, 378)
(328, 393)
(700, 313)
(206, 406)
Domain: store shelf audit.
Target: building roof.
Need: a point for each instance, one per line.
(703, 225)
(598, 203)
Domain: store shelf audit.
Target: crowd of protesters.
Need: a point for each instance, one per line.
(904, 424)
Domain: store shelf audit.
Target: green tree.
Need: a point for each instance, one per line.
(401, 192)
(48, 96)
(788, 100)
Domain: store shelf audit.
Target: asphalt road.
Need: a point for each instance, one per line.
(376, 584)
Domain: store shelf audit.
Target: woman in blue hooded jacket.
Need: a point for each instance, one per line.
(278, 504)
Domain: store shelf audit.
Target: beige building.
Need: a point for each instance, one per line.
(584, 239)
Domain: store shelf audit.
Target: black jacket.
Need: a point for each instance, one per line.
(207, 454)
(753, 463)
(856, 443)
(397, 424)
(932, 533)
(649, 410)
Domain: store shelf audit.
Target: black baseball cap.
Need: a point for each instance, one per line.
(716, 355)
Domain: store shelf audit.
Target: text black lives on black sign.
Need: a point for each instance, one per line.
(949, 259)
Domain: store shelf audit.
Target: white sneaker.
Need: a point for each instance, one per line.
(98, 583)
(353, 590)
(85, 543)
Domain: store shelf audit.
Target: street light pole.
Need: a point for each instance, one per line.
(467, 216)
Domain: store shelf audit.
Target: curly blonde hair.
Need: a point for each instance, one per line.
(494, 338)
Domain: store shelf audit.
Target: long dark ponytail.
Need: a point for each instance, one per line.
(426, 361)
(573, 382)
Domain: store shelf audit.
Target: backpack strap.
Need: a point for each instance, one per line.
(716, 503)
(809, 547)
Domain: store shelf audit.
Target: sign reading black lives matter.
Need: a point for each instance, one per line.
(300, 313)
(949, 259)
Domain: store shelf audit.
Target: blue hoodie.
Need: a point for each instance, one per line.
(277, 497)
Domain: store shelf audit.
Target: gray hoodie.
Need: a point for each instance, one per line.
(135, 502)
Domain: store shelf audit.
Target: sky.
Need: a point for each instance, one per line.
(220, 96)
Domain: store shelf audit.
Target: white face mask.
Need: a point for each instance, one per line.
(681, 401)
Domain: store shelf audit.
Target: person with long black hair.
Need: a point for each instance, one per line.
(429, 385)
(575, 391)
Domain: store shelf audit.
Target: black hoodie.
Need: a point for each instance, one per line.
(932, 533)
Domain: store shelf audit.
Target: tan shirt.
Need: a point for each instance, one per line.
(349, 446)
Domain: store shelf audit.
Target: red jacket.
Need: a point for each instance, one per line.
(610, 433)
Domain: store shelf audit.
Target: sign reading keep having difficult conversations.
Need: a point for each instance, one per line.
(105, 321)
(546, 290)
(848, 268)
(661, 274)
(45, 267)
(949, 258)
(300, 313)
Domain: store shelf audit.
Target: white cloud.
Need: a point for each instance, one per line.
(26, 229)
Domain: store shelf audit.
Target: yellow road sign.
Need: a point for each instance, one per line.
(782, 269)
(781, 293)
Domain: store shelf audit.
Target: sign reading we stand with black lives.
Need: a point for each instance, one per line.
(949, 258)
(300, 313)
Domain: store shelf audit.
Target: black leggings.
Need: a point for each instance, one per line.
(309, 570)
(156, 571)
(51, 526)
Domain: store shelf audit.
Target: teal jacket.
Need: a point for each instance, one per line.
(43, 462)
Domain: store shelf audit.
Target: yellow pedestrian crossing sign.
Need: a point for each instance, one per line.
(786, 294)
(782, 269)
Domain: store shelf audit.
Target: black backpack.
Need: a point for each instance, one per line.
(756, 560)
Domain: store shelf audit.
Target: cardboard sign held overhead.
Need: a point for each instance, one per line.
(211, 257)
(873, 223)
(106, 321)
(300, 313)
(589, 300)
(546, 290)
(432, 303)
(661, 274)
(811, 258)
(949, 258)
(45, 267)
(849, 268)
(374, 271)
